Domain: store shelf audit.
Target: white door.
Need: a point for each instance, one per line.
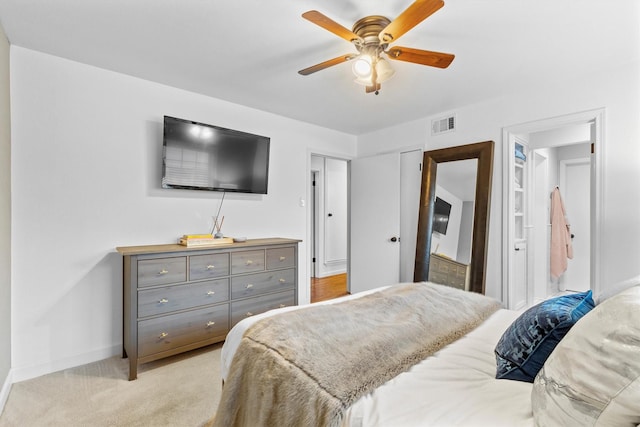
(519, 294)
(375, 222)
(541, 231)
(575, 188)
(335, 230)
(313, 207)
(410, 184)
(518, 210)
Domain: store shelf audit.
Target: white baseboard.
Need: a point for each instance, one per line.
(330, 273)
(6, 389)
(29, 372)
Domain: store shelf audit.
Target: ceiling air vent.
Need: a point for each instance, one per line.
(445, 124)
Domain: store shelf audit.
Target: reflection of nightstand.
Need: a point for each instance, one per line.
(445, 271)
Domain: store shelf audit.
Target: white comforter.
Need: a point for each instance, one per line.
(454, 387)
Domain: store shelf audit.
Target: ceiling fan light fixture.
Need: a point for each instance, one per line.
(384, 70)
(362, 66)
(364, 81)
(371, 37)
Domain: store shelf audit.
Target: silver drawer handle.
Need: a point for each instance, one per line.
(210, 267)
(163, 301)
(163, 335)
(210, 323)
(282, 258)
(211, 293)
(283, 305)
(249, 314)
(249, 262)
(249, 286)
(282, 280)
(163, 271)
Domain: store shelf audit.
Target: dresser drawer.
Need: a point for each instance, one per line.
(177, 330)
(262, 283)
(208, 266)
(247, 262)
(156, 301)
(444, 266)
(437, 277)
(456, 282)
(280, 258)
(247, 308)
(434, 264)
(162, 271)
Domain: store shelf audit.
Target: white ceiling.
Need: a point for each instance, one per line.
(249, 51)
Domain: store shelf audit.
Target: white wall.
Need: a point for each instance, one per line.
(575, 151)
(86, 167)
(561, 136)
(617, 90)
(5, 222)
(466, 233)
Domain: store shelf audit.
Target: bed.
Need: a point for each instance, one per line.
(456, 384)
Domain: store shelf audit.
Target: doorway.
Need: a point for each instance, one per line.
(329, 219)
(528, 182)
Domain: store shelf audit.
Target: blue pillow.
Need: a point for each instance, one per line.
(526, 344)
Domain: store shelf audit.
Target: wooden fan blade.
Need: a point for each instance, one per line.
(373, 88)
(330, 25)
(412, 16)
(326, 64)
(423, 57)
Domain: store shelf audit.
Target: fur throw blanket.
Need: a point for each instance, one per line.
(306, 367)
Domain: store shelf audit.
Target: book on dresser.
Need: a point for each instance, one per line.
(191, 240)
(178, 298)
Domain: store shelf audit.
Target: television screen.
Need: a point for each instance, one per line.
(199, 156)
(441, 216)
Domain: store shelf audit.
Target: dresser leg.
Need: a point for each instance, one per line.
(133, 369)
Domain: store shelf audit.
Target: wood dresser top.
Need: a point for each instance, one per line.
(147, 249)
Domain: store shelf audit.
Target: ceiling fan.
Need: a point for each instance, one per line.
(371, 36)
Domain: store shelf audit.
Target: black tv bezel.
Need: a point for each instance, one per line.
(448, 215)
(266, 140)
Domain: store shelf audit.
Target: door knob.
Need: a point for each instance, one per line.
(395, 239)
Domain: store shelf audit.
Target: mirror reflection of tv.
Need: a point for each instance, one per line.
(198, 156)
(441, 213)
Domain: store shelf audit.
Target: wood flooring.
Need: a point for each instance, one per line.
(330, 287)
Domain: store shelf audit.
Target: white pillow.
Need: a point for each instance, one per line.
(592, 378)
(617, 288)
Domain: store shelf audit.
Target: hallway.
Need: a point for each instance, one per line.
(330, 287)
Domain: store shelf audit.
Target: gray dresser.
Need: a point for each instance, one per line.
(177, 298)
(446, 271)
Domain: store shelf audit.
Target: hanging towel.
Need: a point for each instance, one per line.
(519, 152)
(561, 249)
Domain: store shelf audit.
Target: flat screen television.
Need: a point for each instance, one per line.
(441, 213)
(198, 156)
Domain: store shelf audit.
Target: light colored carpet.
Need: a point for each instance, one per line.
(183, 390)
